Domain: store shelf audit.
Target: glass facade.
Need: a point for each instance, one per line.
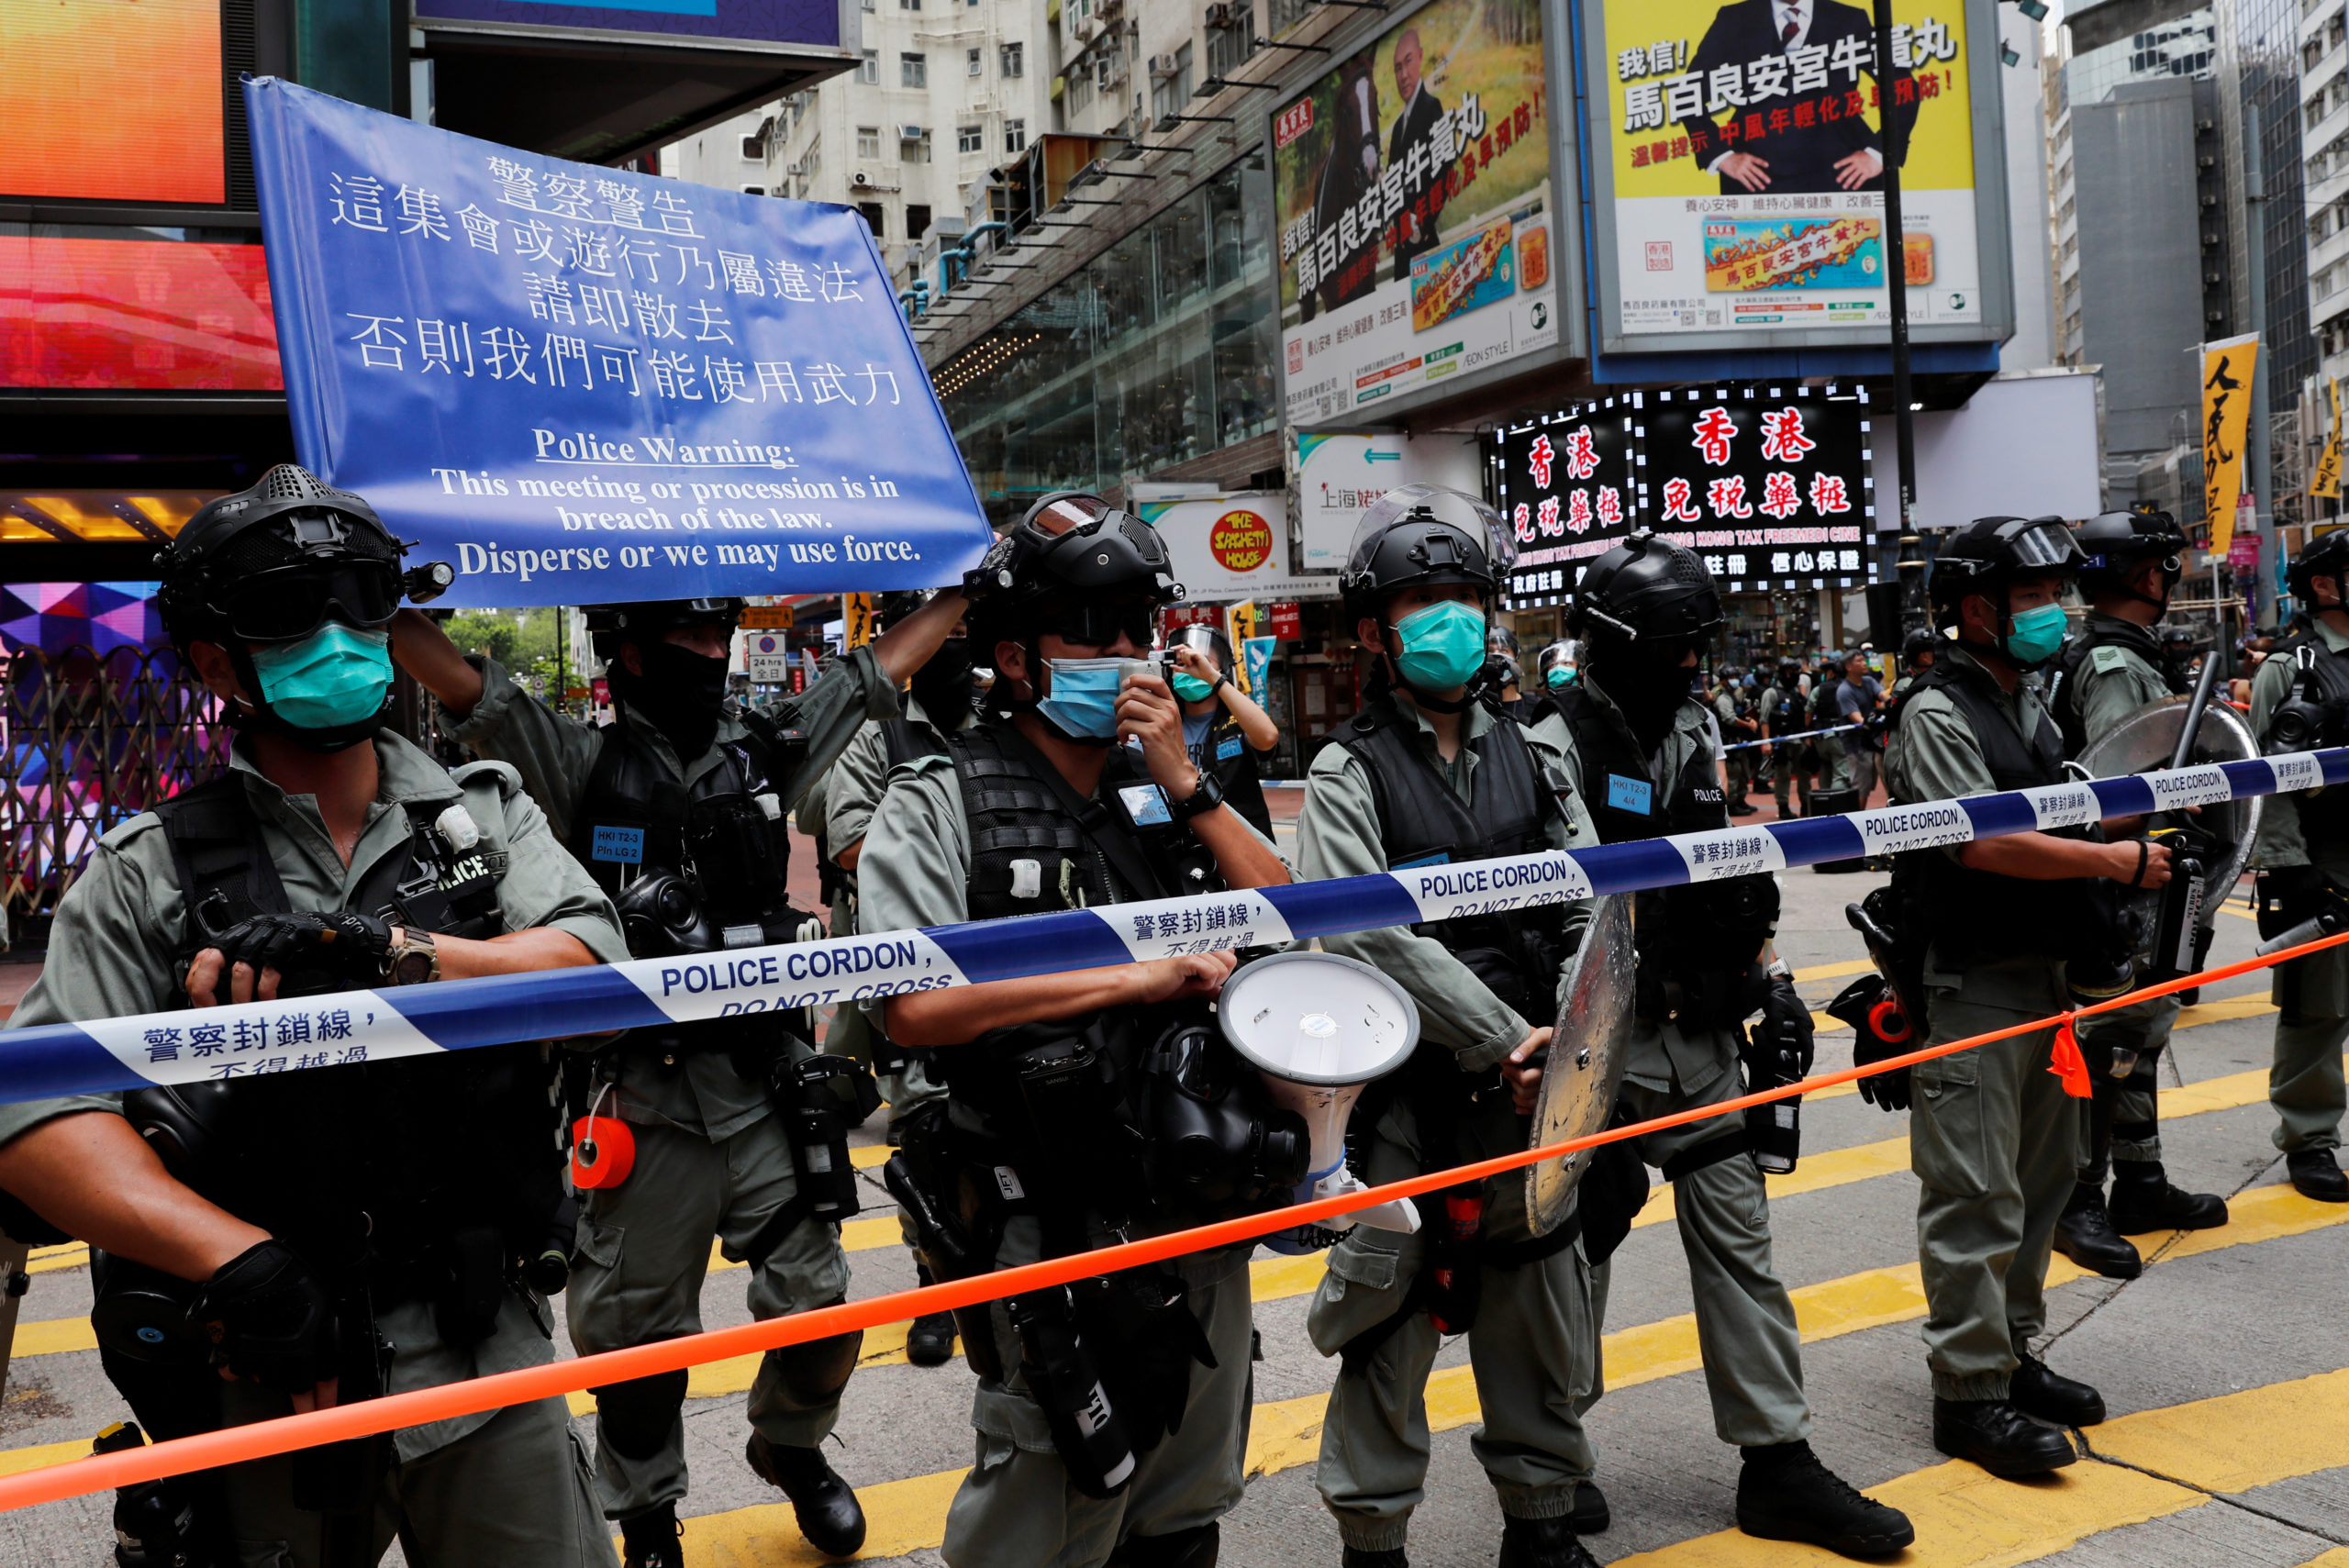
(2179, 48)
(1160, 349)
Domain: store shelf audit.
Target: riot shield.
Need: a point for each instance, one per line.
(1586, 1053)
(2145, 741)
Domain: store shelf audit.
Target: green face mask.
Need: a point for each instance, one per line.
(335, 676)
(1442, 645)
(2036, 634)
(1560, 675)
(1190, 688)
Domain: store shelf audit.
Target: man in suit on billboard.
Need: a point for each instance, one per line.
(1414, 123)
(1814, 139)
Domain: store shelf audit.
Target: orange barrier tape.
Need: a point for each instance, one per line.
(260, 1440)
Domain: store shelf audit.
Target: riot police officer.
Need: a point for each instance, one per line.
(1639, 749)
(2111, 669)
(1783, 707)
(1428, 771)
(676, 808)
(1918, 650)
(1733, 712)
(2299, 699)
(1983, 932)
(337, 1227)
(1110, 1416)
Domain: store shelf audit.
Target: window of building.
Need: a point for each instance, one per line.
(1080, 90)
(868, 70)
(1014, 61)
(1015, 136)
(868, 141)
(908, 4)
(971, 139)
(913, 144)
(754, 190)
(814, 162)
(917, 220)
(913, 70)
(755, 149)
(1171, 86)
(1229, 46)
(874, 214)
(973, 63)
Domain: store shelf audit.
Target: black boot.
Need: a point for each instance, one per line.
(1784, 1493)
(654, 1538)
(2143, 1201)
(931, 1341)
(2317, 1173)
(1193, 1548)
(1589, 1515)
(2000, 1438)
(1543, 1543)
(2036, 1391)
(826, 1507)
(1358, 1557)
(2084, 1233)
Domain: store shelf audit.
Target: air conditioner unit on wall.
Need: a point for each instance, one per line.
(1223, 14)
(1161, 66)
(861, 180)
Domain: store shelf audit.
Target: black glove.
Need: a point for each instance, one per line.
(335, 951)
(1782, 1040)
(2302, 892)
(270, 1320)
(1855, 1004)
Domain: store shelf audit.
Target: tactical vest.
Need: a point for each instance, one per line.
(1224, 752)
(1423, 822)
(1699, 944)
(904, 740)
(1973, 916)
(1787, 713)
(2064, 684)
(422, 1177)
(2323, 814)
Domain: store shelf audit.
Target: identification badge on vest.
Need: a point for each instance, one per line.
(1145, 806)
(1227, 748)
(1440, 858)
(1634, 795)
(623, 845)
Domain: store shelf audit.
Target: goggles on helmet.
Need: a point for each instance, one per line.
(1097, 622)
(294, 601)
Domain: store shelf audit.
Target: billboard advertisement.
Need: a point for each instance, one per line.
(1738, 173)
(1227, 549)
(113, 102)
(1419, 229)
(1341, 474)
(1774, 487)
(814, 22)
(135, 315)
(1569, 490)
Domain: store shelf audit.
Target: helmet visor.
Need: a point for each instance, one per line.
(2045, 547)
(1057, 516)
(294, 601)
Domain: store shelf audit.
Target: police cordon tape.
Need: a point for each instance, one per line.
(97, 1055)
(1783, 740)
(449, 1401)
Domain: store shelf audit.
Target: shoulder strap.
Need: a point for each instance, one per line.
(224, 868)
(904, 743)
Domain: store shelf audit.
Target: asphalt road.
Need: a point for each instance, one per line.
(2225, 1366)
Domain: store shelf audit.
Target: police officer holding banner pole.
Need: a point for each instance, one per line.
(1111, 1414)
(1976, 937)
(1429, 773)
(1639, 752)
(318, 1233)
(678, 809)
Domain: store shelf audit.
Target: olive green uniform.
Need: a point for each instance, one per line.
(2114, 682)
(1534, 1348)
(1735, 763)
(1745, 1321)
(500, 1489)
(1992, 1135)
(1017, 1506)
(1787, 773)
(712, 1161)
(2305, 1085)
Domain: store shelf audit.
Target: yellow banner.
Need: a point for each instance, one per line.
(2328, 465)
(856, 618)
(2226, 418)
(1240, 622)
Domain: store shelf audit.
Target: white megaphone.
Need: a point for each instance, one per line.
(1318, 1028)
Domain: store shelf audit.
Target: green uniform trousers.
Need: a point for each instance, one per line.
(1995, 1140)
(1745, 1321)
(643, 1251)
(1533, 1352)
(1788, 775)
(514, 1494)
(1017, 1508)
(2305, 1083)
(2124, 1123)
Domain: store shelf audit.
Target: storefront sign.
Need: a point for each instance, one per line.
(577, 383)
(1770, 485)
(1738, 173)
(1341, 475)
(1233, 547)
(1411, 184)
(1569, 492)
(1287, 621)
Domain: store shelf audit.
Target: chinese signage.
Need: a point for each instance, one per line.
(1412, 188)
(1770, 485)
(1340, 476)
(1739, 157)
(578, 383)
(1231, 548)
(2226, 418)
(1568, 493)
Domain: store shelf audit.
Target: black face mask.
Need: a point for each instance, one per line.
(1649, 685)
(944, 685)
(681, 692)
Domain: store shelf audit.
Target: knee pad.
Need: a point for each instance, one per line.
(813, 1372)
(1193, 1548)
(634, 1418)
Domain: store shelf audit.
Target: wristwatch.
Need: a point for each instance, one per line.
(1204, 797)
(412, 959)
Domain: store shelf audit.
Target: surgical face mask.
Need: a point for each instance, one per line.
(2035, 635)
(335, 676)
(1190, 688)
(1560, 675)
(1443, 644)
(1082, 701)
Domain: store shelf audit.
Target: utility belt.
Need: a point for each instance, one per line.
(1516, 957)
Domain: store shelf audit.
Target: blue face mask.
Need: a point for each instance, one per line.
(2037, 636)
(335, 676)
(1442, 645)
(1560, 675)
(1083, 705)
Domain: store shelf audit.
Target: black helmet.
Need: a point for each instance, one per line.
(1646, 589)
(1916, 643)
(1424, 534)
(1073, 565)
(1500, 639)
(2112, 544)
(608, 626)
(1989, 553)
(2327, 555)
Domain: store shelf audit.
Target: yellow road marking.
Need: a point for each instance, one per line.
(2336, 1558)
(1833, 970)
(67, 1255)
(1965, 1519)
(19, 1458)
